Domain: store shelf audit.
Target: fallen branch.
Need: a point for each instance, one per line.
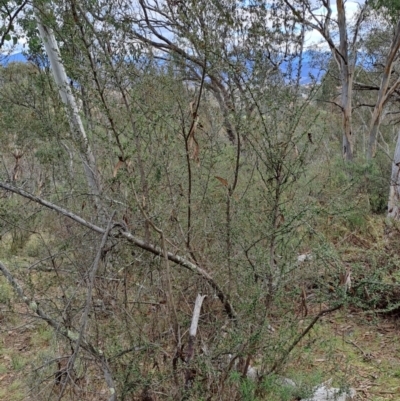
(154, 249)
(366, 355)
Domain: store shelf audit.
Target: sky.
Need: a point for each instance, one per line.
(314, 39)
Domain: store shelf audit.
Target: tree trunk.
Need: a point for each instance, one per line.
(71, 107)
(346, 67)
(394, 194)
(384, 93)
(373, 133)
(348, 143)
(345, 54)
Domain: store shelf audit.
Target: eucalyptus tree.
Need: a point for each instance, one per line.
(384, 48)
(78, 132)
(389, 19)
(320, 16)
(226, 46)
(390, 12)
(229, 49)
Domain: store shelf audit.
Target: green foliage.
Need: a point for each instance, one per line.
(49, 154)
(224, 164)
(392, 8)
(371, 179)
(351, 192)
(43, 335)
(17, 362)
(6, 294)
(3, 369)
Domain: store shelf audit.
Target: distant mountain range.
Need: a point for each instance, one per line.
(307, 69)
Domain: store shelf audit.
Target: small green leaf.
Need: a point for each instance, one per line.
(7, 37)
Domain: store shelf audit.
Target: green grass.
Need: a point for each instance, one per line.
(42, 336)
(3, 369)
(18, 362)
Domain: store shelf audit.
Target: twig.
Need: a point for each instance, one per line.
(108, 378)
(188, 138)
(34, 306)
(366, 355)
(59, 328)
(132, 349)
(279, 362)
(193, 326)
(85, 316)
(170, 298)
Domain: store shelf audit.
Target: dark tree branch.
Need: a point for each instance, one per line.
(85, 317)
(10, 24)
(154, 249)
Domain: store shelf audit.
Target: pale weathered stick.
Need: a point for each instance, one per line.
(192, 337)
(156, 250)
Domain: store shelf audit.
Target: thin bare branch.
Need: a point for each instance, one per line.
(154, 249)
(88, 305)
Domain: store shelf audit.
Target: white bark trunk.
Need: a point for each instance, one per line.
(345, 54)
(346, 67)
(394, 194)
(67, 97)
(384, 92)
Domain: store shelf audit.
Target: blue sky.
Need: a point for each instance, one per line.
(314, 41)
(16, 57)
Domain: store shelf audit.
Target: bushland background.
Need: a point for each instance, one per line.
(155, 151)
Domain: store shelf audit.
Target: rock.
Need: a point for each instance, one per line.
(324, 393)
(285, 382)
(304, 257)
(252, 373)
